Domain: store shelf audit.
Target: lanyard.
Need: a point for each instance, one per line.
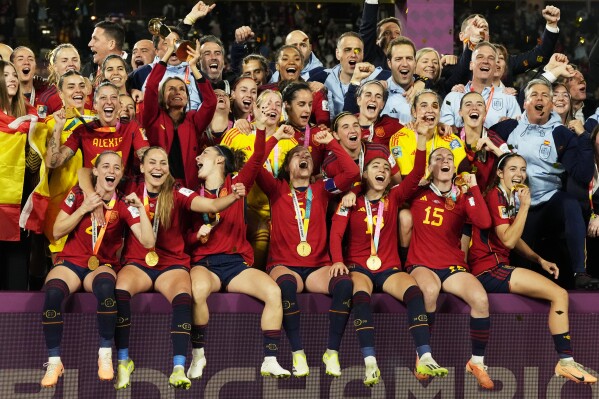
(273, 167)
(156, 221)
(593, 216)
(511, 201)
(453, 192)
(307, 136)
(302, 223)
(361, 160)
(376, 235)
(98, 237)
(371, 135)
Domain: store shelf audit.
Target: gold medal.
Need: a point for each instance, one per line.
(304, 249)
(93, 263)
(70, 113)
(449, 203)
(374, 262)
(518, 186)
(460, 179)
(152, 258)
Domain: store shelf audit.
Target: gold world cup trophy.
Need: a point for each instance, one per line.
(157, 28)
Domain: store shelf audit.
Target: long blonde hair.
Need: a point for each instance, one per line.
(166, 199)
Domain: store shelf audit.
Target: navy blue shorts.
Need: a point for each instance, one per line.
(443, 274)
(154, 273)
(81, 272)
(378, 279)
(497, 279)
(304, 272)
(225, 266)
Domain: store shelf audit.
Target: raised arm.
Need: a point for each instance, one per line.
(350, 172)
(476, 208)
(209, 205)
(151, 106)
(56, 154)
(203, 116)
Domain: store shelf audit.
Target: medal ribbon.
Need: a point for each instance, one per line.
(307, 136)
(98, 237)
(302, 223)
(156, 221)
(371, 135)
(273, 167)
(453, 193)
(361, 160)
(376, 235)
(593, 216)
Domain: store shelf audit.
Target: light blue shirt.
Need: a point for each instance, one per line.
(337, 90)
(180, 71)
(535, 143)
(502, 105)
(397, 106)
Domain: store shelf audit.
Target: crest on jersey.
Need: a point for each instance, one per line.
(545, 150)
(455, 143)
(497, 104)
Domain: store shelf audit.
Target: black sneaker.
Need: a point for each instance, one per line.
(584, 281)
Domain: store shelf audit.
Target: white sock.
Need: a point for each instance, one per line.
(175, 368)
(268, 359)
(478, 359)
(370, 361)
(299, 352)
(105, 351)
(197, 352)
(54, 360)
(427, 355)
(332, 352)
(566, 360)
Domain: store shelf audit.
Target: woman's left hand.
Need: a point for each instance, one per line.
(338, 268)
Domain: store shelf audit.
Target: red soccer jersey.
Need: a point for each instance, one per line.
(78, 248)
(284, 234)
(306, 138)
(97, 139)
(358, 235)
(487, 250)
(484, 170)
(331, 168)
(229, 235)
(437, 230)
(170, 245)
(382, 130)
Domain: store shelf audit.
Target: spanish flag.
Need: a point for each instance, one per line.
(13, 138)
(63, 179)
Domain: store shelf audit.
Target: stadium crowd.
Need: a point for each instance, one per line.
(396, 170)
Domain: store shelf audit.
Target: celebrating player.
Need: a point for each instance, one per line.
(299, 261)
(164, 268)
(439, 212)
(373, 259)
(89, 257)
(508, 202)
(222, 257)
